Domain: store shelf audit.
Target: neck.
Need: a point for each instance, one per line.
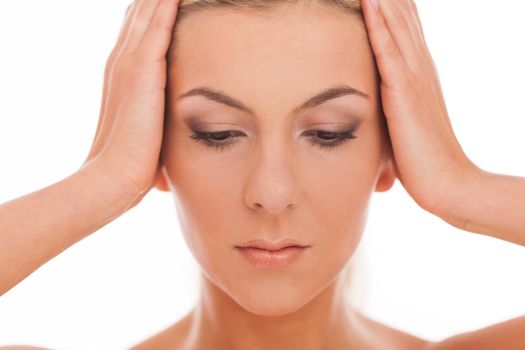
(325, 322)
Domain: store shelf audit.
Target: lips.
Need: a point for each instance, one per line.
(272, 246)
(265, 254)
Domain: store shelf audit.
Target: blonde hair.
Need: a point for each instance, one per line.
(187, 6)
(353, 276)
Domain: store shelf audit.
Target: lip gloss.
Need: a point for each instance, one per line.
(267, 259)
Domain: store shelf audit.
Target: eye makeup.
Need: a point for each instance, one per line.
(323, 139)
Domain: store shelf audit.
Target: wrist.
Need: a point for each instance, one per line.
(113, 193)
(458, 197)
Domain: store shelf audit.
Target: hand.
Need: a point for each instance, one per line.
(428, 159)
(129, 135)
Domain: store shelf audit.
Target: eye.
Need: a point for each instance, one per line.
(331, 139)
(320, 138)
(215, 139)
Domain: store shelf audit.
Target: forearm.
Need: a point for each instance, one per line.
(488, 203)
(38, 226)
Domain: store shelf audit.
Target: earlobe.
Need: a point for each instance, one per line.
(387, 177)
(162, 182)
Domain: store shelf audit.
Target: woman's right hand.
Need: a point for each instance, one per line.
(129, 134)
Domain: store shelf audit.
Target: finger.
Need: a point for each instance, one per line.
(115, 53)
(158, 14)
(389, 59)
(405, 31)
(159, 34)
(139, 24)
(415, 13)
(422, 39)
(124, 30)
(123, 34)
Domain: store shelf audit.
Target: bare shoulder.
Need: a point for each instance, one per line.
(172, 338)
(380, 335)
(20, 347)
(508, 335)
(384, 337)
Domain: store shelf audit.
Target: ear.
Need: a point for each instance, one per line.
(387, 177)
(161, 183)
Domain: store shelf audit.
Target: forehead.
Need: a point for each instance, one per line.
(273, 52)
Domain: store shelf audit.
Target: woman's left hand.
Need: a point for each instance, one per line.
(427, 156)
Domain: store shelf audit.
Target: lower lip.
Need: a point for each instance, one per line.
(272, 259)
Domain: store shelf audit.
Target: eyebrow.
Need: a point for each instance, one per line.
(320, 98)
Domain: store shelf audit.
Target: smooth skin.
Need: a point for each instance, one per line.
(125, 153)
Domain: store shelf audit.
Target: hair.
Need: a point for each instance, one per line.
(187, 6)
(353, 277)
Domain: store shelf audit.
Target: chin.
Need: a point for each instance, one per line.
(272, 304)
(274, 295)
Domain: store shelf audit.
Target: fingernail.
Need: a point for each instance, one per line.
(375, 4)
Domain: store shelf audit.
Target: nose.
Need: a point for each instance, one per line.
(272, 184)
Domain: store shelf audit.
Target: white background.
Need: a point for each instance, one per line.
(136, 276)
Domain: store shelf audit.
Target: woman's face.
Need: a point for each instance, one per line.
(273, 181)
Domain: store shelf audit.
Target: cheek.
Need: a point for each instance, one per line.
(206, 193)
(338, 198)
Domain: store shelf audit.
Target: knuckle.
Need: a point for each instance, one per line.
(109, 67)
(133, 78)
(121, 69)
(130, 6)
(110, 64)
(146, 58)
(409, 79)
(413, 6)
(140, 61)
(160, 26)
(117, 67)
(401, 20)
(141, 24)
(411, 82)
(390, 51)
(135, 75)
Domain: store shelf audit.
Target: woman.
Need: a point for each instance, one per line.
(288, 135)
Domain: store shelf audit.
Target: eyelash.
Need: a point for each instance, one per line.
(339, 137)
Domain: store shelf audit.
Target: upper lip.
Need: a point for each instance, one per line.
(267, 245)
